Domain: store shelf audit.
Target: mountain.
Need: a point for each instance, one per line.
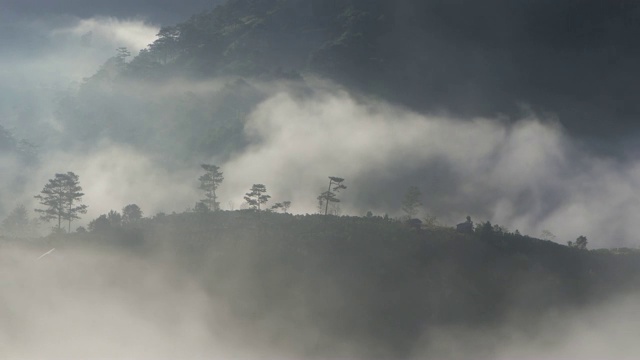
(572, 62)
(575, 60)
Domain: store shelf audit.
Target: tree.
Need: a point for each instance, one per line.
(131, 214)
(329, 196)
(581, 243)
(209, 182)
(411, 202)
(256, 196)
(430, 221)
(283, 205)
(465, 227)
(165, 47)
(122, 53)
(17, 222)
(101, 224)
(61, 197)
(115, 219)
(201, 208)
(547, 235)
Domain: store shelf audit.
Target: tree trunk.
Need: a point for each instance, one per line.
(326, 198)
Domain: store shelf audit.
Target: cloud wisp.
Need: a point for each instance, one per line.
(529, 175)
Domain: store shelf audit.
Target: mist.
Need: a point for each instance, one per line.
(183, 282)
(594, 333)
(94, 299)
(528, 174)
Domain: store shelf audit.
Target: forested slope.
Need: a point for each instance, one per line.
(468, 59)
(376, 284)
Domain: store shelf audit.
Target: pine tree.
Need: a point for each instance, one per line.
(411, 202)
(329, 196)
(61, 197)
(17, 222)
(256, 196)
(131, 214)
(209, 182)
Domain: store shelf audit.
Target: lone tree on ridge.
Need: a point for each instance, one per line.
(61, 198)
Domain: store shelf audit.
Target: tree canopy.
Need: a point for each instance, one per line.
(61, 198)
(412, 202)
(257, 196)
(209, 182)
(330, 196)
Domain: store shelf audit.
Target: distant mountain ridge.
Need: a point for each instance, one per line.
(574, 59)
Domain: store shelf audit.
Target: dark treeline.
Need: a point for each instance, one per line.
(375, 283)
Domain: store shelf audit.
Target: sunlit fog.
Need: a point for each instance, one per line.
(319, 179)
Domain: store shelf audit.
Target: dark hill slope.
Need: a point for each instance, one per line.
(373, 283)
(575, 58)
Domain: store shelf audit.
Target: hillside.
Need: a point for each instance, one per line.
(467, 59)
(378, 287)
(432, 57)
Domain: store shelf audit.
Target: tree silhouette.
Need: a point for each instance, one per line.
(131, 213)
(285, 205)
(201, 208)
(256, 196)
(61, 197)
(114, 217)
(209, 182)
(547, 235)
(329, 196)
(411, 202)
(100, 224)
(581, 243)
(17, 222)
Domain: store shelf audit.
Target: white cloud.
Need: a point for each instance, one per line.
(113, 176)
(528, 176)
(109, 33)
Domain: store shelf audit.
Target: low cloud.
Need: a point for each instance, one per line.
(107, 33)
(604, 331)
(77, 304)
(113, 176)
(528, 175)
(44, 57)
(62, 49)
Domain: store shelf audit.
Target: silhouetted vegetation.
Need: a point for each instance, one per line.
(411, 202)
(331, 195)
(257, 196)
(369, 279)
(61, 197)
(209, 183)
